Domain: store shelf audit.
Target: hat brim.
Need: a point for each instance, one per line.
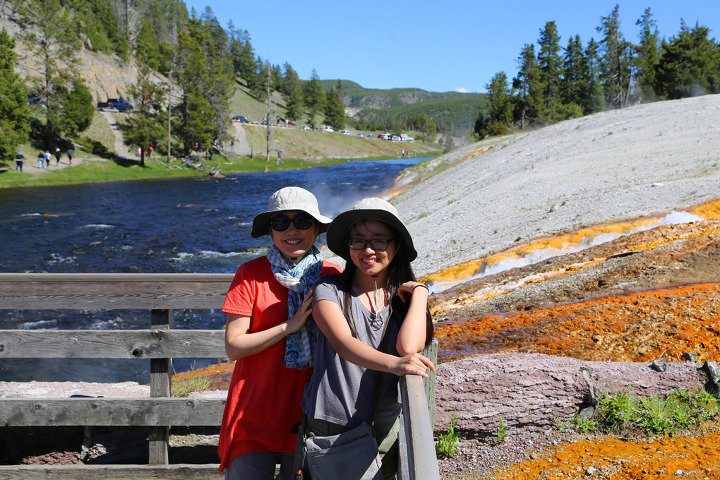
(260, 225)
(338, 231)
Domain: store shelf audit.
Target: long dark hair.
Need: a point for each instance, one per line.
(399, 272)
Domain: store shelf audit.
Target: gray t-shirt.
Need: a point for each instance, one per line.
(340, 391)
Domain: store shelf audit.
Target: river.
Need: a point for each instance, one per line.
(199, 225)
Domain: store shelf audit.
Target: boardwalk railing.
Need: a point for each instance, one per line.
(159, 294)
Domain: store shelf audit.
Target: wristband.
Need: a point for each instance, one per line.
(421, 285)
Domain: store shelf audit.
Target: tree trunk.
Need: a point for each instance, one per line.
(530, 392)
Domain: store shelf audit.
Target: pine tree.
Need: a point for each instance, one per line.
(52, 32)
(690, 64)
(615, 61)
(592, 98)
(146, 126)
(78, 109)
(528, 87)
(571, 87)
(647, 57)
(293, 105)
(335, 107)
(424, 124)
(219, 81)
(14, 112)
(549, 62)
(500, 111)
(259, 84)
(195, 115)
(289, 82)
(314, 98)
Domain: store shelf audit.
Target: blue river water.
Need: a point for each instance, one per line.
(199, 225)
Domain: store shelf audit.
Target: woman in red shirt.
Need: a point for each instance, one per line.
(267, 306)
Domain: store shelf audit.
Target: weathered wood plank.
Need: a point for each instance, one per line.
(160, 381)
(418, 443)
(156, 343)
(110, 472)
(111, 412)
(50, 291)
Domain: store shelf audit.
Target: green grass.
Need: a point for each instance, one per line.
(626, 415)
(194, 383)
(448, 443)
(502, 431)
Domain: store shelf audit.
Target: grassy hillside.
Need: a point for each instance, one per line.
(451, 111)
(313, 146)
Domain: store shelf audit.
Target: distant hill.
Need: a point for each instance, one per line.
(454, 111)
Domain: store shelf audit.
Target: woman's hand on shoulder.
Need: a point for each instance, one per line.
(408, 289)
(413, 364)
(297, 321)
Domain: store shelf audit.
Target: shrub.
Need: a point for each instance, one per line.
(448, 444)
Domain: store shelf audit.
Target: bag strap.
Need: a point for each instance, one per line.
(384, 340)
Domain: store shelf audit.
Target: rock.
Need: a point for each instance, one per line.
(530, 392)
(659, 365)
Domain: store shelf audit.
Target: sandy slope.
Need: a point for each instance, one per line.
(616, 165)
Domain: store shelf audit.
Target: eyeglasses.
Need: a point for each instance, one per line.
(377, 244)
(280, 223)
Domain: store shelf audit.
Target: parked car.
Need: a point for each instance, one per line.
(361, 134)
(370, 135)
(345, 132)
(239, 118)
(35, 100)
(305, 127)
(117, 104)
(382, 136)
(328, 128)
(396, 138)
(406, 138)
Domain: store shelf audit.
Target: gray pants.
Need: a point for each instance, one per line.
(261, 466)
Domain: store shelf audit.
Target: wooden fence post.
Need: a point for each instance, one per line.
(431, 381)
(160, 382)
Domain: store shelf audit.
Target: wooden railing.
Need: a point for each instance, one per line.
(159, 294)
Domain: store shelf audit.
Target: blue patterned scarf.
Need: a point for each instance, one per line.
(298, 279)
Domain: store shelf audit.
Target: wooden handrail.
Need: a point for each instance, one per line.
(112, 291)
(418, 459)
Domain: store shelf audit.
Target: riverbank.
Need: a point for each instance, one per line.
(93, 169)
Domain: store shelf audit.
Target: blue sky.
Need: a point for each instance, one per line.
(439, 46)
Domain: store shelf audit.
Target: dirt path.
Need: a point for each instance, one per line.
(242, 147)
(120, 148)
(31, 164)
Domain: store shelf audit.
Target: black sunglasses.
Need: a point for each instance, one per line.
(377, 244)
(280, 223)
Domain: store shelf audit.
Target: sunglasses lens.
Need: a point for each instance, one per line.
(302, 222)
(280, 223)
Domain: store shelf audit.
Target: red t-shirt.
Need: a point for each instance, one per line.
(263, 405)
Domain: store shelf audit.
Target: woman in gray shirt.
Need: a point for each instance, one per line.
(373, 320)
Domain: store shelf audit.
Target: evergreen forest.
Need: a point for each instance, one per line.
(556, 82)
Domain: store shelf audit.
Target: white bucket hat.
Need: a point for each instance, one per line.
(285, 200)
(367, 209)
